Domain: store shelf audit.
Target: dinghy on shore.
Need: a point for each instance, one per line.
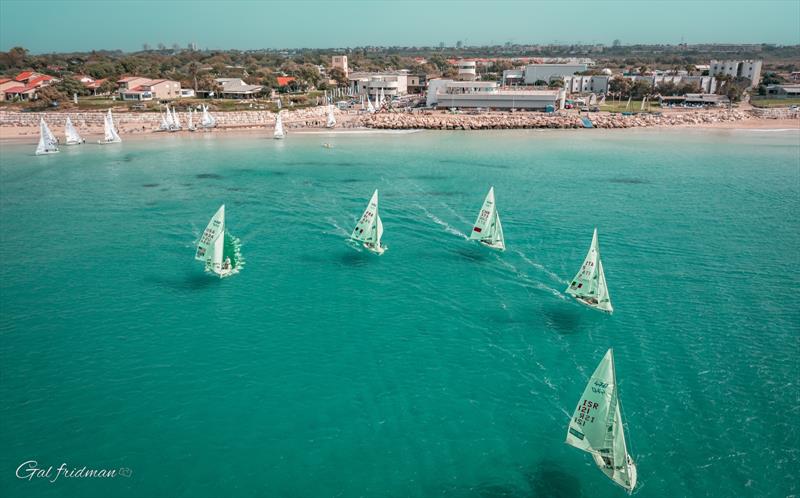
(279, 132)
(110, 135)
(71, 134)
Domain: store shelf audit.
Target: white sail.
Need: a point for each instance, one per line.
(164, 124)
(110, 133)
(487, 228)
(208, 120)
(190, 124)
(48, 144)
(369, 228)
(176, 122)
(331, 118)
(596, 427)
(370, 107)
(383, 98)
(589, 285)
(72, 135)
(210, 247)
(279, 132)
(169, 119)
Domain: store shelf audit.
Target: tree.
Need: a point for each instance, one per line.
(640, 88)
(620, 85)
(338, 75)
(107, 87)
(194, 69)
(616, 43)
(540, 83)
(48, 94)
(69, 86)
(556, 84)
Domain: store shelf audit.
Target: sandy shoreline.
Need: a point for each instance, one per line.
(352, 123)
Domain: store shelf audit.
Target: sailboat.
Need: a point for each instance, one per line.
(488, 229)
(190, 125)
(217, 249)
(176, 123)
(208, 120)
(383, 99)
(331, 118)
(279, 131)
(48, 144)
(589, 285)
(110, 133)
(73, 138)
(164, 126)
(370, 107)
(597, 428)
(369, 228)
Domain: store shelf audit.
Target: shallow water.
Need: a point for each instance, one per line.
(438, 369)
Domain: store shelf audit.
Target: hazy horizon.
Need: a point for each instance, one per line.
(84, 25)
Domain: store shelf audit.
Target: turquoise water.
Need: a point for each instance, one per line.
(438, 369)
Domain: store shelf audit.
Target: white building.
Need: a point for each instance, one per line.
(393, 84)
(706, 84)
(486, 94)
(467, 70)
(340, 61)
(586, 84)
(750, 69)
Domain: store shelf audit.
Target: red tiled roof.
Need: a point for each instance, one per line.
(24, 75)
(4, 80)
(94, 84)
(129, 78)
(39, 79)
(20, 89)
(285, 80)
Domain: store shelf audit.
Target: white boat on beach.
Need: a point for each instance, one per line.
(331, 118)
(213, 250)
(71, 134)
(208, 120)
(176, 123)
(369, 228)
(279, 132)
(487, 228)
(190, 125)
(597, 426)
(589, 285)
(110, 135)
(48, 143)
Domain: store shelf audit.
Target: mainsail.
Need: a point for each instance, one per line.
(48, 144)
(175, 121)
(596, 426)
(110, 135)
(331, 118)
(279, 132)
(190, 125)
(370, 107)
(369, 228)
(211, 247)
(488, 229)
(73, 138)
(164, 123)
(589, 285)
(208, 121)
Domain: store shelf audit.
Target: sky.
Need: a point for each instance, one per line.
(79, 25)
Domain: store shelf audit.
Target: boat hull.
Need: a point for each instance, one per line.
(496, 247)
(103, 142)
(47, 152)
(594, 306)
(376, 250)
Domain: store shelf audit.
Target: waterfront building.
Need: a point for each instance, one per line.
(236, 88)
(466, 70)
(783, 90)
(532, 73)
(487, 95)
(417, 83)
(393, 84)
(750, 69)
(140, 89)
(586, 84)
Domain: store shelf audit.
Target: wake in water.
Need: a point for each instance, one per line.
(446, 226)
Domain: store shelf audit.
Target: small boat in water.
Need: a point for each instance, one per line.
(279, 131)
(48, 143)
(589, 285)
(110, 135)
(369, 228)
(216, 247)
(487, 229)
(597, 427)
(72, 135)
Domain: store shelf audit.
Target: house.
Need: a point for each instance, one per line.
(783, 90)
(5, 84)
(236, 88)
(138, 88)
(90, 83)
(391, 84)
(24, 85)
(340, 61)
(285, 80)
(487, 95)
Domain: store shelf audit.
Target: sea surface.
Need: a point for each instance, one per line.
(438, 369)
